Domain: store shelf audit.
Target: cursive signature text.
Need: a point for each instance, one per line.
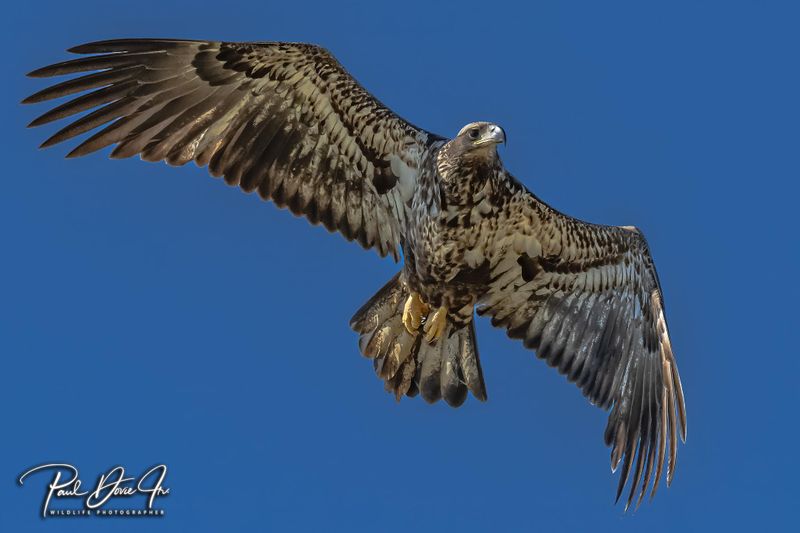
(65, 483)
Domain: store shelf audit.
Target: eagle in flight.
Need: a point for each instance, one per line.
(287, 120)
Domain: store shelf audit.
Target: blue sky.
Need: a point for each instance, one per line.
(154, 315)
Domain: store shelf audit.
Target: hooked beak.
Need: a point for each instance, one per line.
(495, 135)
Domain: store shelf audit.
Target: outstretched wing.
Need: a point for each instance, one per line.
(588, 300)
(285, 119)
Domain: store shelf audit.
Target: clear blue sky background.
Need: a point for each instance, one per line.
(151, 314)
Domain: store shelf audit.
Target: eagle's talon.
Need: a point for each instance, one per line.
(413, 312)
(436, 324)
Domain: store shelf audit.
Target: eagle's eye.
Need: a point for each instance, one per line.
(474, 133)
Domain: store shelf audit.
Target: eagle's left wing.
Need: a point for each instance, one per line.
(285, 119)
(587, 299)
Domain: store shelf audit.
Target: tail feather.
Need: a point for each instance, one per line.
(446, 369)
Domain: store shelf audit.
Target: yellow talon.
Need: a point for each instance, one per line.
(436, 324)
(413, 312)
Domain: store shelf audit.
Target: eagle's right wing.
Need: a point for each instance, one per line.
(285, 119)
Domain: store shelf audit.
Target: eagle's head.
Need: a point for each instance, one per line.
(469, 159)
(479, 139)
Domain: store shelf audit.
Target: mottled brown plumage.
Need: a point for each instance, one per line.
(286, 120)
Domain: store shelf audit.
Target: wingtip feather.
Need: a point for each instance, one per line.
(81, 48)
(38, 121)
(96, 47)
(50, 142)
(43, 72)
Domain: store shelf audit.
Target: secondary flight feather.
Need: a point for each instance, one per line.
(288, 121)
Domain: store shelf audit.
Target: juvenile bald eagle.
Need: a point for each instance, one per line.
(288, 121)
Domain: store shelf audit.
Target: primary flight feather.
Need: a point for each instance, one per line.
(288, 121)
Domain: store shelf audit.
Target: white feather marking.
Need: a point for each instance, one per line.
(406, 177)
(474, 257)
